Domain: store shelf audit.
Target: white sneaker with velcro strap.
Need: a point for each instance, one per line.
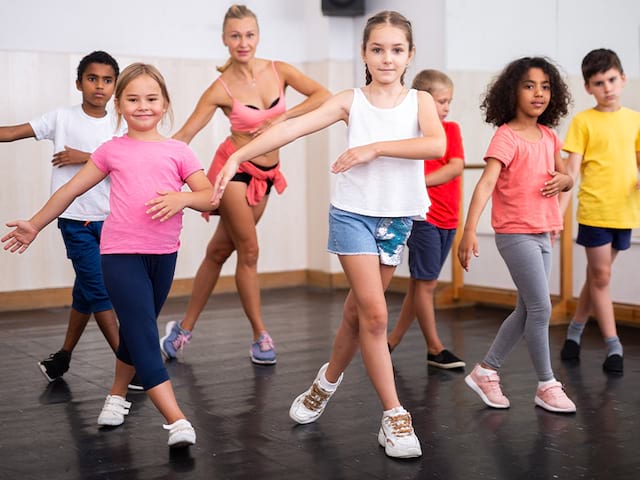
(113, 412)
(181, 434)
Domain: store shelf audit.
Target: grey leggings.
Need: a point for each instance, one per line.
(528, 258)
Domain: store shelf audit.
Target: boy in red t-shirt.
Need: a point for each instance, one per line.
(430, 240)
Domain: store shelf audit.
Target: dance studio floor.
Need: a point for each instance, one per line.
(240, 411)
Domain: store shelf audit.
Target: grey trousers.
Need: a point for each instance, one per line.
(528, 258)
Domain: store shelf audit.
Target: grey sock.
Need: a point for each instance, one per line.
(614, 347)
(574, 331)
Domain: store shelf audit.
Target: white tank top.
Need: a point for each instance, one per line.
(385, 186)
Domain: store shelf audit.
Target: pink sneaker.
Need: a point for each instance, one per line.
(552, 397)
(488, 387)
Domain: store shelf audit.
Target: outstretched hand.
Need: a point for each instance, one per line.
(19, 239)
(468, 246)
(166, 205)
(69, 156)
(353, 156)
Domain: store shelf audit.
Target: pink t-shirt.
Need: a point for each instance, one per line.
(517, 204)
(138, 170)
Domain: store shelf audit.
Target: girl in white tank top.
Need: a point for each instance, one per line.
(391, 131)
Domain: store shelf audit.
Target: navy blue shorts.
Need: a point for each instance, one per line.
(619, 238)
(82, 241)
(428, 249)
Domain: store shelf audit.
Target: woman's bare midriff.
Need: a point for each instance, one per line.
(268, 160)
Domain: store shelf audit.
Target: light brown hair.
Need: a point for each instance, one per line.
(430, 80)
(387, 17)
(136, 70)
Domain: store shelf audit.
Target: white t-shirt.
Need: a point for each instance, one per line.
(72, 127)
(385, 186)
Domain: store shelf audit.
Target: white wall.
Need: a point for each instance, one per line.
(41, 43)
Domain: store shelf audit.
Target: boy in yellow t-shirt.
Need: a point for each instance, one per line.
(604, 147)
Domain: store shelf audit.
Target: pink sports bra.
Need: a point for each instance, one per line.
(246, 118)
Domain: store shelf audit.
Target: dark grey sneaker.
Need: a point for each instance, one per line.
(613, 364)
(570, 351)
(56, 365)
(445, 359)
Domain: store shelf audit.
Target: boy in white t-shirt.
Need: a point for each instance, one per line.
(76, 132)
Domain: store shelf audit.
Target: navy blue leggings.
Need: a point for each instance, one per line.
(138, 285)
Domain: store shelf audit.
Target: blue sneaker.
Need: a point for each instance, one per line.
(263, 351)
(174, 340)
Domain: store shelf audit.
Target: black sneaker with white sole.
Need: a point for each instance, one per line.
(135, 384)
(445, 359)
(56, 365)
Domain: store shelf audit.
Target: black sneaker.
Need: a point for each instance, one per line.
(56, 365)
(445, 359)
(570, 351)
(135, 384)
(613, 364)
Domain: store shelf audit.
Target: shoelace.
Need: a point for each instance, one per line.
(265, 342)
(180, 341)
(400, 424)
(315, 398)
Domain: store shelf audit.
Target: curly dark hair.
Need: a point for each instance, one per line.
(501, 98)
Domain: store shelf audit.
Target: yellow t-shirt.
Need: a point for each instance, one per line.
(608, 142)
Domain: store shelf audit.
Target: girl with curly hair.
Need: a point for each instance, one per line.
(524, 174)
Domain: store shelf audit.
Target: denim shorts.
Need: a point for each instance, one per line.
(428, 249)
(619, 238)
(355, 234)
(82, 240)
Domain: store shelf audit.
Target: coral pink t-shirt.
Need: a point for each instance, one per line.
(518, 206)
(445, 198)
(138, 171)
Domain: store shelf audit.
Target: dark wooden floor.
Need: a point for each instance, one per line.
(240, 411)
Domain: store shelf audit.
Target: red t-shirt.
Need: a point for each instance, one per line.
(445, 198)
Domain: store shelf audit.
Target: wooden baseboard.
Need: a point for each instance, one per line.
(626, 314)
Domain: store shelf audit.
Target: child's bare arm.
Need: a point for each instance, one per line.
(572, 166)
(16, 132)
(446, 173)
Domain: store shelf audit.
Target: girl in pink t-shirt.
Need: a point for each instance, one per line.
(523, 175)
(140, 237)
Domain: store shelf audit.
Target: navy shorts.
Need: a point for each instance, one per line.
(619, 238)
(354, 234)
(428, 249)
(82, 241)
